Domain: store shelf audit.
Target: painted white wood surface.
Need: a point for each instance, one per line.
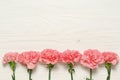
(59, 24)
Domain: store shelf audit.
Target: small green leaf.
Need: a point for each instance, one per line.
(70, 70)
(73, 70)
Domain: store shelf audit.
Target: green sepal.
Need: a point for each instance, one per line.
(108, 66)
(50, 66)
(70, 65)
(12, 65)
(29, 70)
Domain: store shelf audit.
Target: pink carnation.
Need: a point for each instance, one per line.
(49, 56)
(110, 57)
(70, 56)
(92, 58)
(29, 59)
(9, 57)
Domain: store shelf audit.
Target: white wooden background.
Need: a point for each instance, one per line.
(59, 24)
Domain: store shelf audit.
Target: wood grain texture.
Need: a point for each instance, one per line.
(59, 24)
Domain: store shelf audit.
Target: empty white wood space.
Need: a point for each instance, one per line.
(59, 24)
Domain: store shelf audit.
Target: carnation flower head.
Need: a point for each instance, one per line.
(70, 56)
(91, 58)
(29, 58)
(49, 56)
(9, 57)
(110, 57)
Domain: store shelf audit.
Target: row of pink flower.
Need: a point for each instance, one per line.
(91, 58)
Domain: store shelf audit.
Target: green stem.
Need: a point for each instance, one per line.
(13, 67)
(108, 67)
(109, 72)
(30, 73)
(71, 70)
(71, 75)
(90, 74)
(49, 78)
(13, 74)
(50, 67)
